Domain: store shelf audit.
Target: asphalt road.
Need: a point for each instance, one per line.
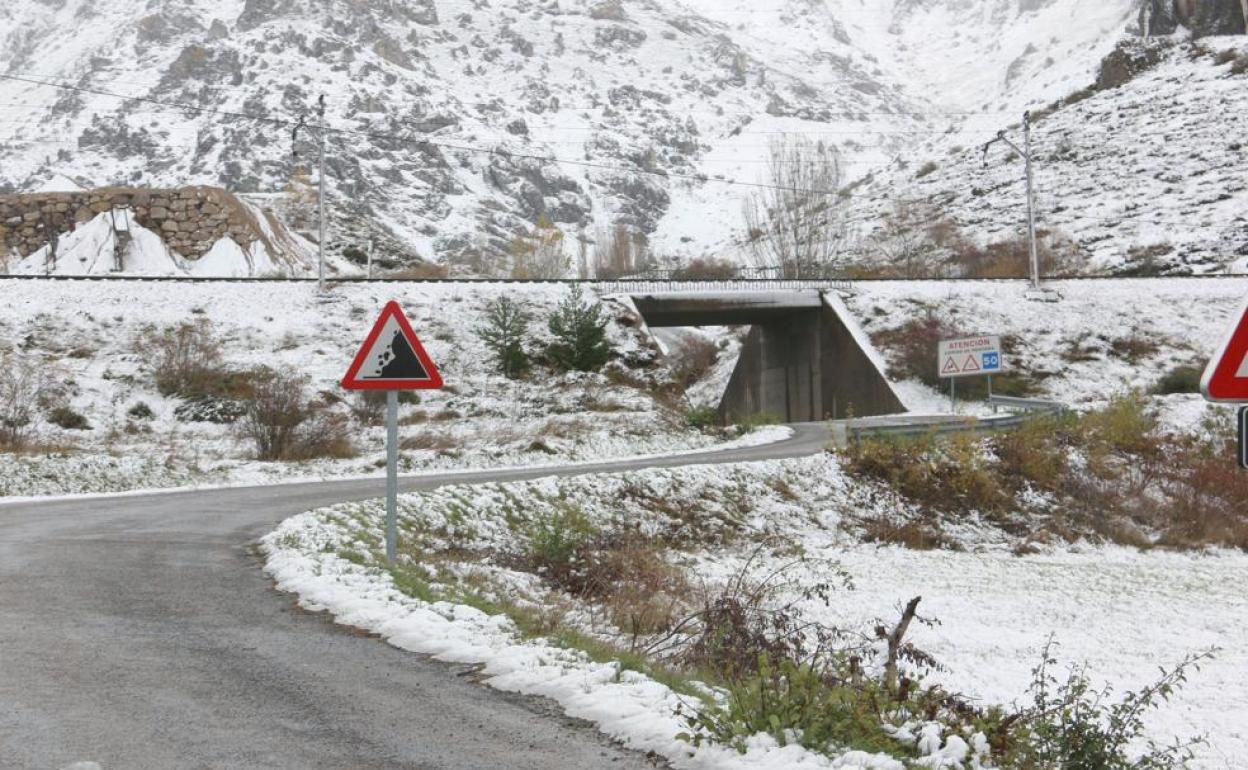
(139, 632)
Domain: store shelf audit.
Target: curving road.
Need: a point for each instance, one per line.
(139, 632)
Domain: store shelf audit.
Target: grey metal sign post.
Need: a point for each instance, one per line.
(392, 474)
(1243, 437)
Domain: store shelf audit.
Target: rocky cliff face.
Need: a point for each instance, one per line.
(659, 99)
(1203, 17)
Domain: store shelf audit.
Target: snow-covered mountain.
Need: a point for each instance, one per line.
(1142, 172)
(459, 124)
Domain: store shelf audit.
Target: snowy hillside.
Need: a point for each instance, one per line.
(1145, 177)
(597, 114)
(103, 413)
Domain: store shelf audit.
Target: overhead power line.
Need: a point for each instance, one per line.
(499, 152)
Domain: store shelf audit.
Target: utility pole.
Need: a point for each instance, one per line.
(320, 197)
(322, 224)
(370, 257)
(1025, 153)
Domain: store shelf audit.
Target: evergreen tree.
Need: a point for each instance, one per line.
(506, 325)
(580, 334)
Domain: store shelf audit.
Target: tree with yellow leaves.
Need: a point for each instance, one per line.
(539, 254)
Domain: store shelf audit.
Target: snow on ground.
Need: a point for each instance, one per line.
(1069, 345)
(89, 335)
(1123, 612)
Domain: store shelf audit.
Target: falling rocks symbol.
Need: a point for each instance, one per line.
(399, 362)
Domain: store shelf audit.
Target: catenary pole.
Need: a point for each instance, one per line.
(1025, 153)
(320, 244)
(1031, 203)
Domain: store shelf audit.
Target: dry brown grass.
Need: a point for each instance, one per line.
(915, 535)
(432, 440)
(1205, 494)
(640, 593)
(706, 269)
(421, 272)
(1058, 255)
(1110, 475)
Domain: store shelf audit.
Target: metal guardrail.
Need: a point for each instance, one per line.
(1026, 405)
(1022, 410)
(614, 286)
(646, 286)
(968, 425)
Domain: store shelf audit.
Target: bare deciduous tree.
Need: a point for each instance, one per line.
(911, 241)
(796, 224)
(619, 252)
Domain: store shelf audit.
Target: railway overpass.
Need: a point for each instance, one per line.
(805, 358)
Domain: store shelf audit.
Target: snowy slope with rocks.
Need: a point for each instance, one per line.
(1138, 177)
(514, 93)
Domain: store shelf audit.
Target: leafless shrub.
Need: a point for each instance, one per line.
(911, 242)
(369, 406)
(693, 359)
(281, 422)
(1135, 347)
(626, 577)
(706, 269)
(917, 535)
(753, 617)
(25, 391)
(186, 358)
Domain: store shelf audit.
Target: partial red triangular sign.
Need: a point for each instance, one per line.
(392, 357)
(1226, 378)
(970, 364)
(950, 367)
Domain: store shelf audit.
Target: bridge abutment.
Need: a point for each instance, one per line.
(804, 360)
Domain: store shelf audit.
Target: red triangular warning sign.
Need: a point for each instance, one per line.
(950, 367)
(392, 357)
(970, 365)
(1226, 378)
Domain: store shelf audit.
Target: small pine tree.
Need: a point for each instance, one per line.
(506, 324)
(580, 334)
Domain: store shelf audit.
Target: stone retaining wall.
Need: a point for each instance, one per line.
(190, 220)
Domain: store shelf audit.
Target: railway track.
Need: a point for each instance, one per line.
(639, 283)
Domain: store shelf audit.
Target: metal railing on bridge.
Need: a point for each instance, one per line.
(733, 279)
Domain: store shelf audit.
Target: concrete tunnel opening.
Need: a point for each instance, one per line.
(804, 359)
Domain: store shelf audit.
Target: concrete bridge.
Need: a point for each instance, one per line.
(805, 358)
